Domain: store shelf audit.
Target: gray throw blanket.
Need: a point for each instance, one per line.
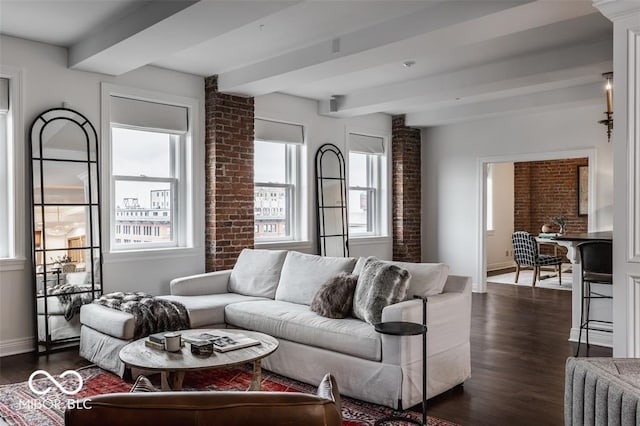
(151, 315)
(70, 300)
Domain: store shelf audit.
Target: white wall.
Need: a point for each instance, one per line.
(46, 83)
(450, 161)
(499, 246)
(320, 130)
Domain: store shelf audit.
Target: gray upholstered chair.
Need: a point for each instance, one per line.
(602, 392)
(526, 255)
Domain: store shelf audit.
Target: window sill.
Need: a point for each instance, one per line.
(12, 264)
(363, 240)
(285, 245)
(150, 254)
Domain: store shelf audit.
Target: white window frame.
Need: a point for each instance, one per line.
(15, 184)
(378, 186)
(188, 225)
(292, 187)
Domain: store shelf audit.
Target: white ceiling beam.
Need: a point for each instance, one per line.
(586, 94)
(567, 66)
(325, 58)
(161, 28)
(436, 29)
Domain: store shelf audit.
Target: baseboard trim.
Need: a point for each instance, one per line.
(500, 266)
(16, 346)
(597, 338)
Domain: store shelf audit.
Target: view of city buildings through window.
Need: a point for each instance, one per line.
(139, 223)
(270, 212)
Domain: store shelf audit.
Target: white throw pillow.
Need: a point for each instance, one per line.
(303, 274)
(257, 272)
(427, 279)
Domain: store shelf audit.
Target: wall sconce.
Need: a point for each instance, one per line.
(609, 112)
(38, 238)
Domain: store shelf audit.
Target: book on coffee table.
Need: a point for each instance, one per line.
(223, 342)
(158, 338)
(154, 345)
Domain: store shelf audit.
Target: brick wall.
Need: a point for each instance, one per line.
(406, 166)
(229, 176)
(544, 189)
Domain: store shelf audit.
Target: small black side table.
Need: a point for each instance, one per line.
(403, 328)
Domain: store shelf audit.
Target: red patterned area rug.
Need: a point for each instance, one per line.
(20, 406)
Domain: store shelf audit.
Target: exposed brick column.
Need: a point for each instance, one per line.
(522, 196)
(229, 176)
(405, 154)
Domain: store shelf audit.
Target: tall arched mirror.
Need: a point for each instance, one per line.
(331, 201)
(67, 266)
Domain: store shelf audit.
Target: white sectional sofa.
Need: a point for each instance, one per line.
(270, 291)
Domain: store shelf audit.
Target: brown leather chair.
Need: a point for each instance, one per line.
(211, 408)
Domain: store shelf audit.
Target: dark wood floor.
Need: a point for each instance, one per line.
(518, 350)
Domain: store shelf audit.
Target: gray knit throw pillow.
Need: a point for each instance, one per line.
(380, 284)
(334, 298)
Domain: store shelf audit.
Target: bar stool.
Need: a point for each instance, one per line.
(597, 268)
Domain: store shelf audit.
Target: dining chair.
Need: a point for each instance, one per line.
(527, 255)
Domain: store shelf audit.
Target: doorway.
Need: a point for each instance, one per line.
(494, 168)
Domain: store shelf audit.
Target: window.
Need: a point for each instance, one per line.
(11, 176)
(277, 180)
(365, 159)
(489, 184)
(276, 175)
(5, 163)
(144, 165)
(150, 167)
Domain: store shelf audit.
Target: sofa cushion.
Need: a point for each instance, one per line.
(209, 309)
(427, 279)
(297, 323)
(257, 272)
(380, 284)
(334, 299)
(303, 274)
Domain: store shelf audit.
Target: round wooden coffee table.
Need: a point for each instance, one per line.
(173, 365)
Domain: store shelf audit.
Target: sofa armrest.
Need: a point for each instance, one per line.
(457, 284)
(201, 284)
(448, 323)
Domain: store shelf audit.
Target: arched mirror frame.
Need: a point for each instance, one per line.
(332, 228)
(46, 274)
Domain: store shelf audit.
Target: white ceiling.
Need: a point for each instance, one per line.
(471, 58)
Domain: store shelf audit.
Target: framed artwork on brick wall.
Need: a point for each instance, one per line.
(583, 190)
